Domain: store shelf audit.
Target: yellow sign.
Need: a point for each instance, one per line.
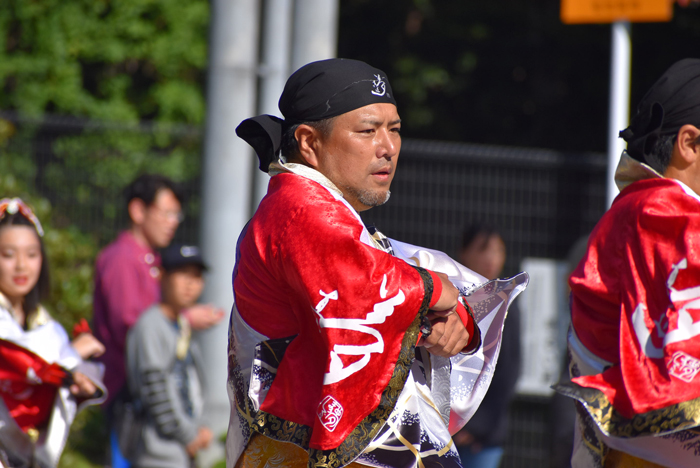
(609, 11)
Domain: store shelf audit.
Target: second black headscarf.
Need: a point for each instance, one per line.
(673, 101)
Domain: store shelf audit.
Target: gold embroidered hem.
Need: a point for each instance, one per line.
(263, 452)
(682, 416)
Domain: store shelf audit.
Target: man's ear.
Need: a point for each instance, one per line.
(137, 211)
(687, 144)
(308, 141)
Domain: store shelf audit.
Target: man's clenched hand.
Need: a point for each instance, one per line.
(449, 335)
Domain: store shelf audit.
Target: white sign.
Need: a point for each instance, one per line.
(544, 308)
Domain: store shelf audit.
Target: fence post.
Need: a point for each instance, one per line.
(620, 64)
(276, 49)
(226, 181)
(315, 31)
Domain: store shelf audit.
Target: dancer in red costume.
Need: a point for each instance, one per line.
(341, 339)
(43, 378)
(635, 304)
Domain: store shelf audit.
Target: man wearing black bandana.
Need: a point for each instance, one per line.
(340, 339)
(635, 296)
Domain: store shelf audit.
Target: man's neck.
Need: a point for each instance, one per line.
(140, 237)
(686, 177)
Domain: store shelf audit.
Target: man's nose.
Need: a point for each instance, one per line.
(388, 145)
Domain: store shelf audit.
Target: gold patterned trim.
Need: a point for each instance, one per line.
(428, 288)
(280, 429)
(674, 418)
(37, 318)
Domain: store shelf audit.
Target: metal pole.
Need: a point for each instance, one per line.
(274, 70)
(226, 183)
(620, 66)
(315, 31)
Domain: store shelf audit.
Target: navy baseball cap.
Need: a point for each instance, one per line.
(178, 255)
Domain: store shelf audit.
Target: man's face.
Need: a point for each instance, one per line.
(161, 219)
(359, 155)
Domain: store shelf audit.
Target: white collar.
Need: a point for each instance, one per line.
(280, 167)
(630, 170)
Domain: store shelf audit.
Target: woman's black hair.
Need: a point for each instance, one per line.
(42, 288)
(478, 231)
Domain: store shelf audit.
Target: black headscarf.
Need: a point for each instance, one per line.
(317, 91)
(672, 102)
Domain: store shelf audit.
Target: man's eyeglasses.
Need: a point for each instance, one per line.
(178, 216)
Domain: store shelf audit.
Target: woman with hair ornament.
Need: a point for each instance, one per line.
(45, 378)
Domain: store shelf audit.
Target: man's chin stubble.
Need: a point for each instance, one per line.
(370, 197)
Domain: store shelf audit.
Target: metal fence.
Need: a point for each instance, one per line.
(82, 167)
(541, 201)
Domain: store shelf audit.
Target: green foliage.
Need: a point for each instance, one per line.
(126, 61)
(114, 60)
(89, 170)
(71, 255)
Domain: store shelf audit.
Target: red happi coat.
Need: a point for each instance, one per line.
(303, 271)
(636, 304)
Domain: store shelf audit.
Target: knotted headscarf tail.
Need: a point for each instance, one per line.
(673, 101)
(317, 91)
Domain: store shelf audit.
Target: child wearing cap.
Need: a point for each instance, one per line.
(163, 371)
